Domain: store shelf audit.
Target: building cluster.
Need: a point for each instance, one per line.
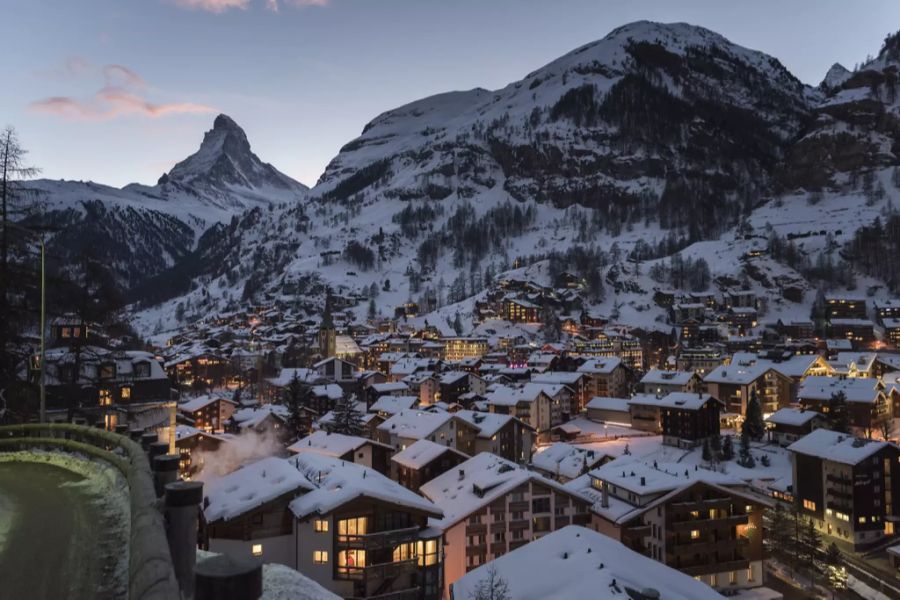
(474, 451)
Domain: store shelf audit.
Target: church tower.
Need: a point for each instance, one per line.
(327, 343)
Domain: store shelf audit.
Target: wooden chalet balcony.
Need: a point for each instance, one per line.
(701, 505)
(519, 524)
(379, 540)
(707, 524)
(520, 506)
(476, 529)
(379, 571)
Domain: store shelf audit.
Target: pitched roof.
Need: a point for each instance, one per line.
(252, 486)
(336, 482)
(856, 389)
(422, 452)
(415, 424)
(476, 483)
(576, 562)
(331, 444)
(792, 417)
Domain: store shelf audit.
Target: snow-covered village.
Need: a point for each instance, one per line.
(624, 326)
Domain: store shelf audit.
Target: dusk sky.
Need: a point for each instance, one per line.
(117, 91)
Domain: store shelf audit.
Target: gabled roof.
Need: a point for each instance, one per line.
(604, 403)
(422, 452)
(336, 482)
(576, 562)
(487, 423)
(393, 404)
(792, 417)
(252, 486)
(331, 444)
(600, 366)
(476, 483)
(415, 424)
(856, 389)
(566, 460)
(195, 404)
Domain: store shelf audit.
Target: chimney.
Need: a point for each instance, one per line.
(462, 474)
(643, 481)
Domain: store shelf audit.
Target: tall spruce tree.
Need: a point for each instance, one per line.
(293, 399)
(753, 420)
(347, 417)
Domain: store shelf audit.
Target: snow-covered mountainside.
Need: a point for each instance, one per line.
(659, 140)
(140, 231)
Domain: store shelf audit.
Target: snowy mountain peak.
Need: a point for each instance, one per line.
(835, 76)
(225, 164)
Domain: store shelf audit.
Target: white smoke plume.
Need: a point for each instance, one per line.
(245, 448)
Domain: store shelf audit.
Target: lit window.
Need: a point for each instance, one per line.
(750, 574)
(809, 505)
(862, 519)
(257, 550)
(320, 557)
(695, 534)
(126, 393)
(321, 525)
(351, 559)
(105, 397)
(732, 578)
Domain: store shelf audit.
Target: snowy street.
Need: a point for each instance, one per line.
(48, 535)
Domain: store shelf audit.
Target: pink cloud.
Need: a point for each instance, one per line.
(215, 6)
(123, 95)
(220, 6)
(119, 75)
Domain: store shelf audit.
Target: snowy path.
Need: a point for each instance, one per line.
(48, 535)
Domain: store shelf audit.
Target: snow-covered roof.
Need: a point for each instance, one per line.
(856, 389)
(738, 373)
(195, 404)
(336, 482)
(332, 391)
(600, 366)
(558, 377)
(421, 453)
(253, 416)
(566, 460)
(414, 424)
(604, 403)
(476, 483)
(389, 387)
(643, 478)
(837, 447)
(487, 423)
(685, 400)
(504, 395)
(576, 562)
(286, 375)
(252, 486)
(393, 404)
(661, 377)
(451, 377)
(792, 417)
(330, 444)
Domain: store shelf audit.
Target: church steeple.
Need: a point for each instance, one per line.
(327, 334)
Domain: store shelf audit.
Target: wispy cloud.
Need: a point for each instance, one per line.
(220, 6)
(124, 93)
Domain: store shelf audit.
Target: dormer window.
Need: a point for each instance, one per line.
(142, 369)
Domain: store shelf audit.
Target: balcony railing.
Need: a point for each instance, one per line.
(379, 539)
(379, 571)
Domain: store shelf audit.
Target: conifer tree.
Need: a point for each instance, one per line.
(347, 417)
(838, 413)
(753, 421)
